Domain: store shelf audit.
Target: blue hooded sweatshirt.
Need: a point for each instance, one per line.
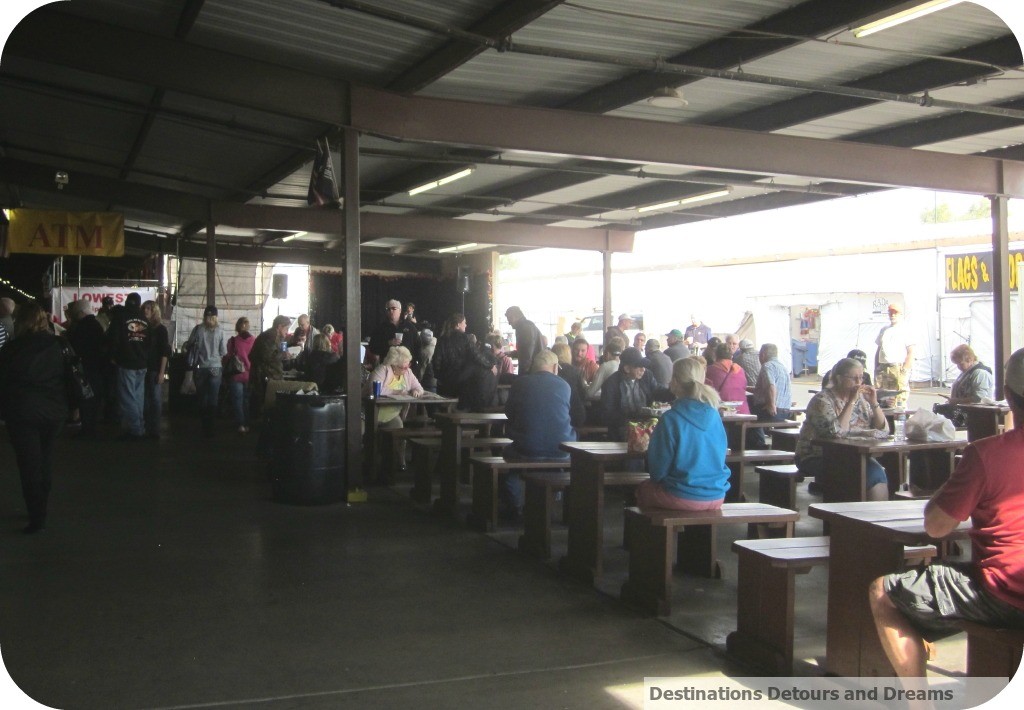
(687, 452)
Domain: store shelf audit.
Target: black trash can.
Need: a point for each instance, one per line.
(307, 452)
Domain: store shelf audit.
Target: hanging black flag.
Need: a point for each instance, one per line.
(323, 189)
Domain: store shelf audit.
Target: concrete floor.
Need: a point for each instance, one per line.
(168, 578)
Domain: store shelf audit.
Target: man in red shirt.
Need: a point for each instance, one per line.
(913, 608)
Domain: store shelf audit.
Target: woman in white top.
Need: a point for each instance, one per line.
(208, 342)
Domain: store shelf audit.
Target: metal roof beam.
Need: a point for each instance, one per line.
(502, 21)
(633, 140)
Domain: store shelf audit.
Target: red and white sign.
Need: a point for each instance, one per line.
(63, 296)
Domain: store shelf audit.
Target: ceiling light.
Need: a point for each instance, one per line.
(906, 16)
(294, 236)
(443, 181)
(456, 248)
(667, 97)
(685, 200)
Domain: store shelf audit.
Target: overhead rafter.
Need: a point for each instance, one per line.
(631, 140)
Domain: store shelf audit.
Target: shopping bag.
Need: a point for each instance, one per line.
(188, 384)
(929, 426)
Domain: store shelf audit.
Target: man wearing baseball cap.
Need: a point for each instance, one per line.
(914, 608)
(677, 348)
(895, 355)
(628, 391)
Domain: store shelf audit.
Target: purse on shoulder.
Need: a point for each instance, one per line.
(78, 387)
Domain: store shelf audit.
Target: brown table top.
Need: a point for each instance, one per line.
(978, 407)
(597, 449)
(902, 520)
(427, 398)
(885, 446)
(472, 417)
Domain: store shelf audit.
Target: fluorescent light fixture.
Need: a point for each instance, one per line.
(667, 97)
(443, 181)
(907, 15)
(685, 200)
(294, 236)
(458, 247)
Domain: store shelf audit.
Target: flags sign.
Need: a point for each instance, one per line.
(323, 188)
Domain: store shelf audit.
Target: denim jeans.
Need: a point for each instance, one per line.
(154, 403)
(131, 399)
(239, 401)
(208, 387)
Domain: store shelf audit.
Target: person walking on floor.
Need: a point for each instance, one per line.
(208, 339)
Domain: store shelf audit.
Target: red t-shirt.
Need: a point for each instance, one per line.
(988, 487)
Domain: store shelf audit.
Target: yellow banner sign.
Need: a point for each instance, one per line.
(66, 233)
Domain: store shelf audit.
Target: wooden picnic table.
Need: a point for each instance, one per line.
(370, 407)
(867, 541)
(847, 461)
(588, 463)
(986, 419)
(449, 463)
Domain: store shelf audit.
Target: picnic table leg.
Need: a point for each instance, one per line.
(537, 504)
(735, 492)
(421, 478)
(764, 615)
(649, 585)
(586, 520)
(448, 467)
(696, 551)
(484, 515)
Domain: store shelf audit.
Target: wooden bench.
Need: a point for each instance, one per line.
(785, 439)
(992, 652)
(539, 503)
(426, 457)
(736, 460)
(777, 485)
(652, 535)
(486, 473)
(766, 589)
(392, 441)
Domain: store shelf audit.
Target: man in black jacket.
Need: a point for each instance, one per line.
(529, 341)
(394, 331)
(89, 342)
(128, 338)
(629, 390)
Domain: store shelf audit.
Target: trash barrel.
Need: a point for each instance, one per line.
(306, 461)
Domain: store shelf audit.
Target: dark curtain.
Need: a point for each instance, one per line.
(435, 300)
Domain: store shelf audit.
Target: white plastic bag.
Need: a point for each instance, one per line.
(188, 383)
(929, 426)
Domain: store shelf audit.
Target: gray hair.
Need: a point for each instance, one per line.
(770, 350)
(398, 355)
(543, 361)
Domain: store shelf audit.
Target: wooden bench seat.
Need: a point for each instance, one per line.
(539, 503)
(426, 457)
(777, 485)
(737, 460)
(785, 439)
(486, 473)
(652, 535)
(992, 652)
(392, 441)
(765, 592)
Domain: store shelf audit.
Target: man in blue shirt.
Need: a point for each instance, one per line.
(697, 334)
(773, 396)
(538, 421)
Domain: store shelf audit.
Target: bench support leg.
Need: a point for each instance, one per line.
(422, 466)
(484, 515)
(764, 616)
(649, 585)
(777, 490)
(697, 552)
(537, 505)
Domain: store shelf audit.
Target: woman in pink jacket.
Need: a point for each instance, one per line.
(240, 345)
(728, 379)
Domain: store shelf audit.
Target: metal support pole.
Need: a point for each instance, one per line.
(353, 309)
(606, 303)
(211, 264)
(1000, 287)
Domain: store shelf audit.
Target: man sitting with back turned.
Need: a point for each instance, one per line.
(538, 421)
(913, 608)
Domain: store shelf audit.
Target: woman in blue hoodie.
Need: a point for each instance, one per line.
(686, 456)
